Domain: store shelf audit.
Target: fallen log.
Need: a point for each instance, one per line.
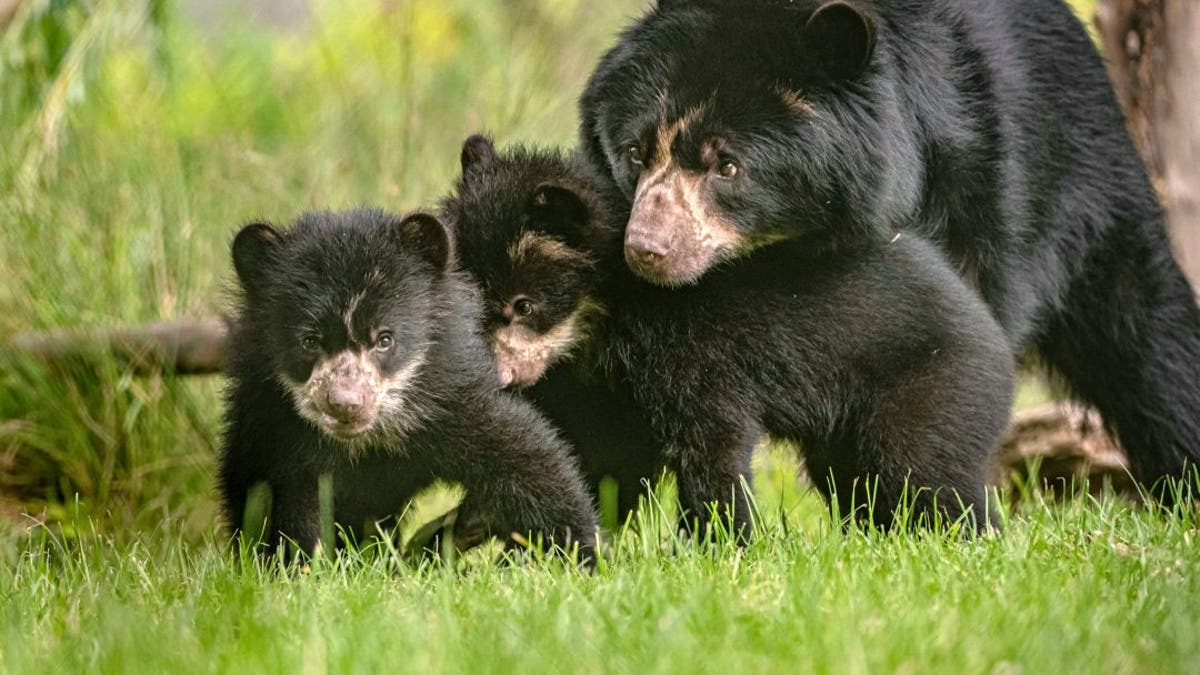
(1057, 445)
(182, 347)
(1063, 440)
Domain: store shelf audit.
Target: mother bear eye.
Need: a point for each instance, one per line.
(634, 152)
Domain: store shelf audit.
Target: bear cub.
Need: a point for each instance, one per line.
(526, 230)
(355, 354)
(877, 360)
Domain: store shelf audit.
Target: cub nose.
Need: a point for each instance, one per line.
(345, 403)
(506, 377)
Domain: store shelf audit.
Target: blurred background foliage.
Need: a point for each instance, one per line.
(138, 134)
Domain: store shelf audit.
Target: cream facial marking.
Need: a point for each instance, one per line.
(665, 138)
(540, 246)
(348, 376)
(794, 102)
(351, 308)
(523, 355)
(401, 409)
(350, 400)
(675, 233)
(372, 279)
(692, 234)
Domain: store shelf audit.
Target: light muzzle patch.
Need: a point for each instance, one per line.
(674, 233)
(348, 398)
(522, 355)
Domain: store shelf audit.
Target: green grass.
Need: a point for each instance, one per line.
(1087, 587)
(134, 147)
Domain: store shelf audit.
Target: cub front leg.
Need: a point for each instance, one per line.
(295, 523)
(521, 481)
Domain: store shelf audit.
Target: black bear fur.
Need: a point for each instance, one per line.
(355, 353)
(499, 200)
(989, 128)
(880, 361)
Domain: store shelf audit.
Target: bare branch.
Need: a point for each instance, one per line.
(185, 347)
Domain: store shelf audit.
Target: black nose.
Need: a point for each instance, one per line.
(345, 403)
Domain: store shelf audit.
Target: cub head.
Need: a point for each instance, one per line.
(528, 233)
(729, 125)
(346, 306)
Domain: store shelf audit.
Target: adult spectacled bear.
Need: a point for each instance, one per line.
(989, 128)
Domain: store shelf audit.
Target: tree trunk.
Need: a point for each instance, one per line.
(8, 9)
(1152, 48)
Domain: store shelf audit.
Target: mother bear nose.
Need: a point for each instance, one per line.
(646, 250)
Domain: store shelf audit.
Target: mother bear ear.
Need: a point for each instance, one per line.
(839, 37)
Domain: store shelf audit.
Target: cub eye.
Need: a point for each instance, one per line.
(310, 343)
(384, 342)
(728, 169)
(523, 307)
(634, 152)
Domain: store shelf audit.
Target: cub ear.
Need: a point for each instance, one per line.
(477, 149)
(840, 36)
(254, 248)
(560, 212)
(425, 235)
